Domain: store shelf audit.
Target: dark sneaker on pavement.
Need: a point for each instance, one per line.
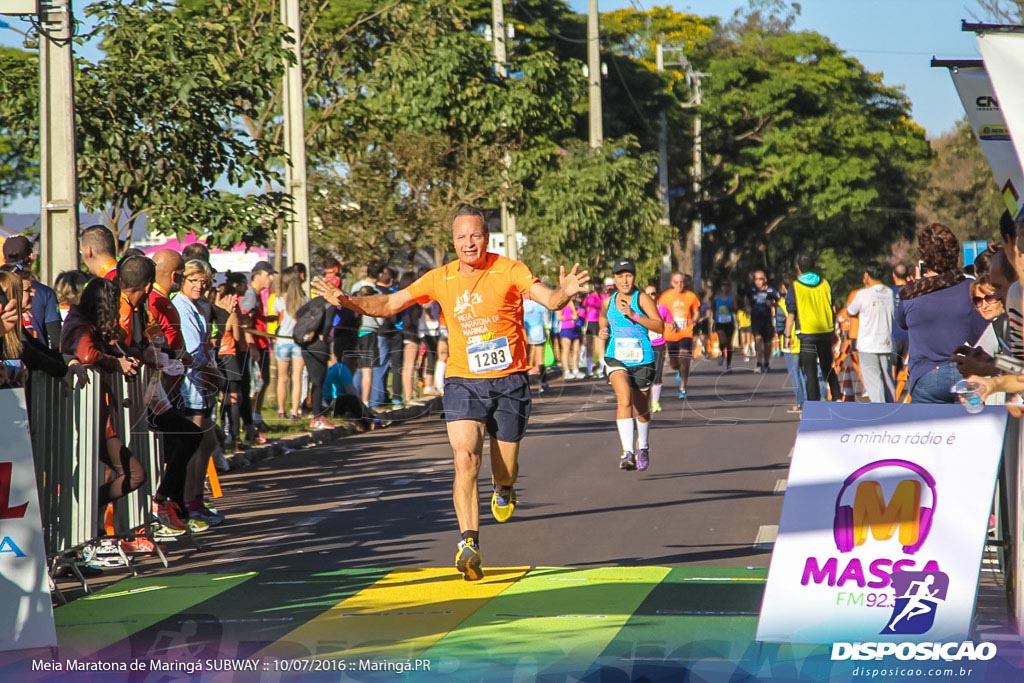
(627, 461)
(467, 561)
(643, 459)
(503, 503)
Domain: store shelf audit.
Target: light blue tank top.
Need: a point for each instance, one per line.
(629, 343)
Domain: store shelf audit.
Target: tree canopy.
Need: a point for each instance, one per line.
(407, 118)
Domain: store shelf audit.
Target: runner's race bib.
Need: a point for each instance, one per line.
(490, 355)
(681, 322)
(629, 350)
(723, 317)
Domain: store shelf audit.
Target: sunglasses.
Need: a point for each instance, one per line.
(987, 299)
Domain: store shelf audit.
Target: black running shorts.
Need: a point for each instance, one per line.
(503, 404)
(763, 327)
(683, 346)
(640, 376)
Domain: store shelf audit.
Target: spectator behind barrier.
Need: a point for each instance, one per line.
(938, 313)
(68, 287)
(20, 345)
(91, 335)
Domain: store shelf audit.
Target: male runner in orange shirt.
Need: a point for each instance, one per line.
(486, 388)
(685, 308)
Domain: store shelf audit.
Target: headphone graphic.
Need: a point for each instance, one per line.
(843, 524)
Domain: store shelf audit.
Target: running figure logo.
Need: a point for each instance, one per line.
(918, 595)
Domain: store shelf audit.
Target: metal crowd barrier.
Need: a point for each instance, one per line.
(66, 438)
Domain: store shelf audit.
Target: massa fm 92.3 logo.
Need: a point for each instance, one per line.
(870, 511)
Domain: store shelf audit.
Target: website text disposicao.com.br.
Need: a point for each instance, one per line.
(920, 660)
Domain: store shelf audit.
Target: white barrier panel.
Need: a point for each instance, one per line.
(883, 524)
(26, 614)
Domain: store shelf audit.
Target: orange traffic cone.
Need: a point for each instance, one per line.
(847, 387)
(716, 349)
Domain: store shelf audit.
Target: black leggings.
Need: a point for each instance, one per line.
(816, 352)
(316, 356)
(725, 332)
(127, 473)
(181, 439)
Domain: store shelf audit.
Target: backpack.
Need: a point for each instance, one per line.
(309, 322)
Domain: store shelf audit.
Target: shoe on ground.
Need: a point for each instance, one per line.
(162, 532)
(204, 514)
(643, 459)
(319, 423)
(655, 406)
(794, 410)
(169, 515)
(104, 555)
(140, 545)
(467, 561)
(503, 503)
(682, 393)
(721, 361)
(627, 461)
(197, 526)
(220, 460)
(280, 414)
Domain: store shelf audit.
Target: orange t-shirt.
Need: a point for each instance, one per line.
(685, 309)
(484, 314)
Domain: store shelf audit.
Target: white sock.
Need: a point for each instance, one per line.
(625, 433)
(643, 433)
(439, 373)
(656, 393)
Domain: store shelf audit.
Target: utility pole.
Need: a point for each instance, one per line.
(594, 76)
(295, 139)
(58, 180)
(697, 227)
(500, 33)
(666, 260)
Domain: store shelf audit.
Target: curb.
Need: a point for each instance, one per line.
(302, 440)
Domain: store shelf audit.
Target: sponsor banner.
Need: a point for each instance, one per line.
(1004, 61)
(986, 119)
(883, 524)
(26, 613)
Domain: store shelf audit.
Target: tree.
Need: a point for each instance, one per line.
(157, 121)
(960, 191)
(425, 108)
(807, 151)
(594, 206)
(19, 143)
(1004, 11)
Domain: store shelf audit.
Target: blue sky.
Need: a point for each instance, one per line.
(894, 37)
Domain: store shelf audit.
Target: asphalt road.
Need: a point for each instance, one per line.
(384, 499)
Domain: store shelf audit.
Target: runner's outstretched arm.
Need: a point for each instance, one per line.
(569, 285)
(379, 306)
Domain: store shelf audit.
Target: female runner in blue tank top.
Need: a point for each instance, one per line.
(626, 318)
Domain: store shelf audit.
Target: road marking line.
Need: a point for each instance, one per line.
(766, 536)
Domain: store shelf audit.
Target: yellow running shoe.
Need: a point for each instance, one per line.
(467, 561)
(503, 503)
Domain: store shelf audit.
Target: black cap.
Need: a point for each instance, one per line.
(624, 265)
(263, 267)
(17, 248)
